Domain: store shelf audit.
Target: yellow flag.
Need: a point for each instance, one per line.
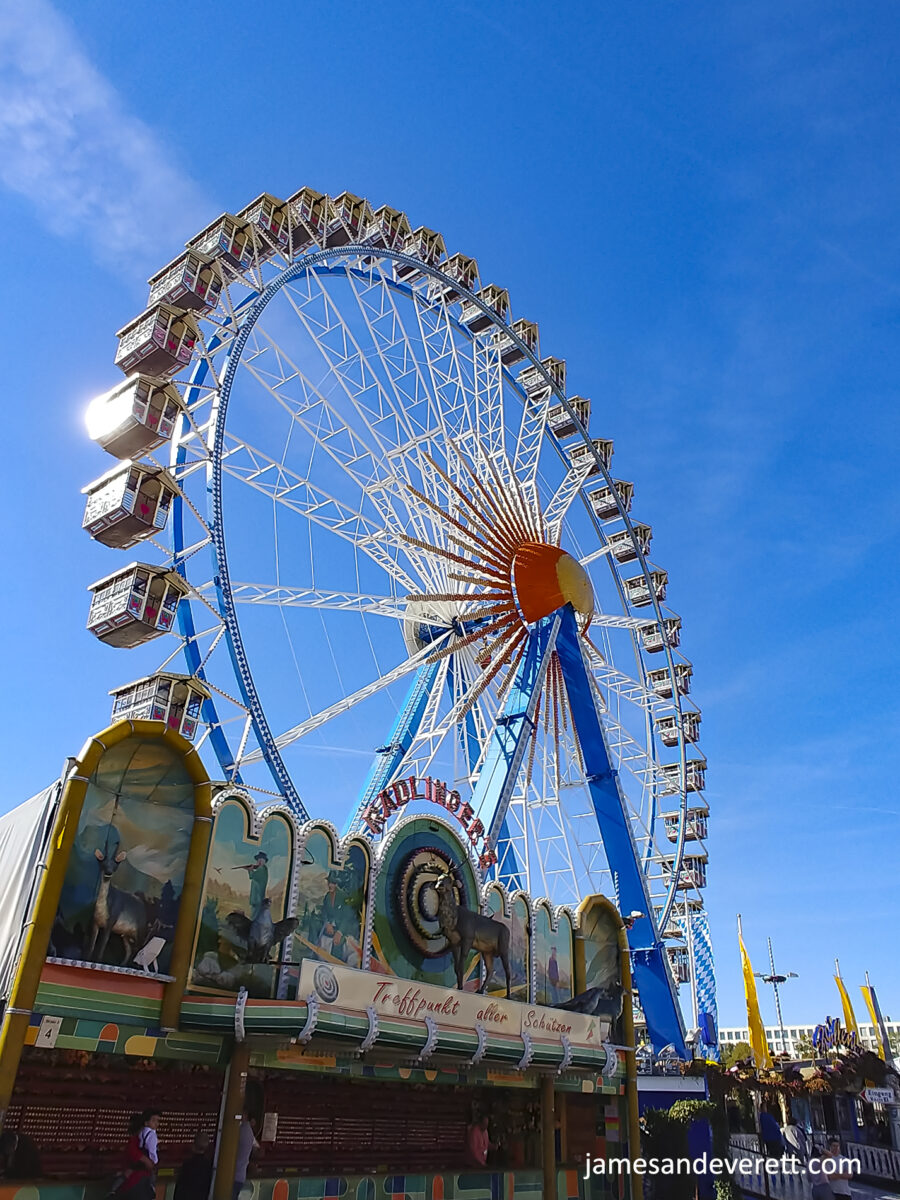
(881, 1034)
(758, 1044)
(849, 1016)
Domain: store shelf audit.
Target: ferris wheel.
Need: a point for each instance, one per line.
(390, 549)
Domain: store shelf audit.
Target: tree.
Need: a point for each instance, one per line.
(803, 1047)
(734, 1053)
(665, 1135)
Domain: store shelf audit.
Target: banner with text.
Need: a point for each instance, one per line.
(407, 1000)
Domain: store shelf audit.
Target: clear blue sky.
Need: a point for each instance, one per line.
(697, 202)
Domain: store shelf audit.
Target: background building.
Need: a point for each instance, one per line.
(803, 1033)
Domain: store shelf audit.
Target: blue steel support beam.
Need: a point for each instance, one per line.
(186, 625)
(468, 733)
(493, 791)
(390, 756)
(649, 963)
(508, 867)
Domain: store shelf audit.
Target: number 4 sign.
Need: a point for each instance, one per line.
(48, 1032)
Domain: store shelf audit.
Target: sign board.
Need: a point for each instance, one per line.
(877, 1095)
(48, 1032)
(830, 1036)
(348, 990)
(269, 1127)
(435, 791)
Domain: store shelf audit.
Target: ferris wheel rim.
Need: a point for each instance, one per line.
(250, 310)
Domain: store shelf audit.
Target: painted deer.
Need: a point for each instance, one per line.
(116, 911)
(466, 930)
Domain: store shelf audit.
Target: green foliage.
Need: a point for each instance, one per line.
(732, 1054)
(666, 1135)
(208, 933)
(803, 1047)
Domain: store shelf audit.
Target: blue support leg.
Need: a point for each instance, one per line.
(507, 869)
(649, 963)
(390, 756)
(509, 740)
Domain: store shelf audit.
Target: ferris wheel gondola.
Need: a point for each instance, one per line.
(387, 517)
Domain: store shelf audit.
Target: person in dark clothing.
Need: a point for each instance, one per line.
(770, 1132)
(141, 1158)
(195, 1175)
(19, 1156)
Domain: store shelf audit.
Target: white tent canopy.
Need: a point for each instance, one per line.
(24, 836)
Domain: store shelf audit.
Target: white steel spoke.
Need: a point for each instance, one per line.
(381, 420)
(282, 596)
(270, 477)
(603, 552)
(347, 702)
(441, 357)
(531, 436)
(562, 498)
(488, 401)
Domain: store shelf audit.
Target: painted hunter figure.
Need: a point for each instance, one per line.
(244, 923)
(553, 976)
(258, 871)
(331, 898)
(330, 924)
(337, 925)
(261, 933)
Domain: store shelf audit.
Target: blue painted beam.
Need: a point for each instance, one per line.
(507, 869)
(650, 966)
(390, 757)
(503, 760)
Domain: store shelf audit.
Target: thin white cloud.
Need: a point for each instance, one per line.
(90, 168)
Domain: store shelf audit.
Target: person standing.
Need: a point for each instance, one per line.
(840, 1180)
(195, 1175)
(148, 1137)
(246, 1147)
(795, 1141)
(478, 1142)
(770, 1133)
(141, 1158)
(821, 1185)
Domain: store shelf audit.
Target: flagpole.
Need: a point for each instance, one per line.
(761, 1055)
(777, 997)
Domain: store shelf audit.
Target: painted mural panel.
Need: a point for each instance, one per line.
(552, 959)
(244, 930)
(122, 890)
(331, 903)
(565, 943)
(493, 907)
(517, 924)
(408, 939)
(520, 950)
(601, 949)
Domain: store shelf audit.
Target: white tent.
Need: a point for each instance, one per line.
(24, 837)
